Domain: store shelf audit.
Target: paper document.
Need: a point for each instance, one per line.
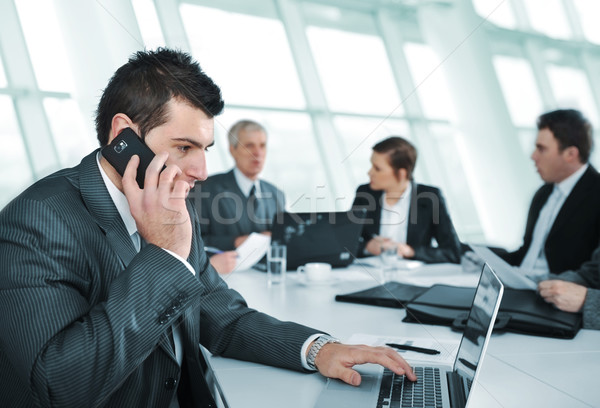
(252, 250)
(376, 262)
(510, 276)
(446, 347)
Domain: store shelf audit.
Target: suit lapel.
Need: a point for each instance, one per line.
(103, 210)
(375, 215)
(413, 214)
(189, 322)
(105, 214)
(189, 330)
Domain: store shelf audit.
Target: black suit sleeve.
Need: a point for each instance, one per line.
(449, 247)
(366, 199)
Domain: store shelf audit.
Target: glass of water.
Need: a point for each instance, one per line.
(276, 263)
(389, 260)
(389, 256)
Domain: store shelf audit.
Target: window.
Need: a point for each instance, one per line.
(572, 90)
(520, 91)
(359, 135)
(430, 82)
(68, 130)
(14, 171)
(248, 74)
(355, 72)
(548, 17)
(3, 82)
(588, 11)
(46, 47)
(148, 22)
(527, 139)
(496, 11)
(444, 159)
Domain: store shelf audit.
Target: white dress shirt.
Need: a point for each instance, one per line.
(394, 218)
(535, 264)
(245, 184)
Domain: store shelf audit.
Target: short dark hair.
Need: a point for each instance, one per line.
(401, 153)
(142, 88)
(570, 128)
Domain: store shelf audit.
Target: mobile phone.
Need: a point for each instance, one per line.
(122, 148)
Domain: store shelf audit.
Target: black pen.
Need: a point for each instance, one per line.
(413, 348)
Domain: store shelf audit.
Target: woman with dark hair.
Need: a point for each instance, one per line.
(400, 213)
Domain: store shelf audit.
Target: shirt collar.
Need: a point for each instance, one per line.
(404, 195)
(119, 200)
(244, 183)
(567, 185)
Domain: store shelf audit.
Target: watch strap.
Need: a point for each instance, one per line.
(316, 347)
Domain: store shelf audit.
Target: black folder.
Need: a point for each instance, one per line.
(390, 294)
(521, 311)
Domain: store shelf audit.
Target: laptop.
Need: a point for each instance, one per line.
(510, 276)
(331, 237)
(437, 385)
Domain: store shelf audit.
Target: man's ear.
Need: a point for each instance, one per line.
(231, 149)
(119, 122)
(572, 154)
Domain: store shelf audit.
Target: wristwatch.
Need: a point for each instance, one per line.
(316, 347)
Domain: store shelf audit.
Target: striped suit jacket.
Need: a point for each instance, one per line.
(84, 315)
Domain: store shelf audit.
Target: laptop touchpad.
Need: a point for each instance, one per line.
(368, 382)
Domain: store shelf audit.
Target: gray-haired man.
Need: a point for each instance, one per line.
(236, 203)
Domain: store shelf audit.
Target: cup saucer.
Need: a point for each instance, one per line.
(325, 282)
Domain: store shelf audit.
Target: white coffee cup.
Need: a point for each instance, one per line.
(315, 271)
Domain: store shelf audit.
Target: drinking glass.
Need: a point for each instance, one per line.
(276, 264)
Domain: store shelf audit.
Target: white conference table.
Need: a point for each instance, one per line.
(518, 370)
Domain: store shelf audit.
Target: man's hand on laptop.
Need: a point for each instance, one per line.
(336, 360)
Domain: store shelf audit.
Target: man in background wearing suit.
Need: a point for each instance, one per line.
(105, 288)
(563, 225)
(234, 204)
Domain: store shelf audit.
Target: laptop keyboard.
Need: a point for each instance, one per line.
(398, 391)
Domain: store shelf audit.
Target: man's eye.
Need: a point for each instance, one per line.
(183, 149)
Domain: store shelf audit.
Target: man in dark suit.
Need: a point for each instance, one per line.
(234, 204)
(105, 288)
(563, 225)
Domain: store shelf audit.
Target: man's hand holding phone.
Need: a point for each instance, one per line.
(159, 209)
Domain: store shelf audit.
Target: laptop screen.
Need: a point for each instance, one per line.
(479, 325)
(331, 237)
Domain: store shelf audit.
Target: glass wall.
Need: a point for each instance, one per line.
(328, 79)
